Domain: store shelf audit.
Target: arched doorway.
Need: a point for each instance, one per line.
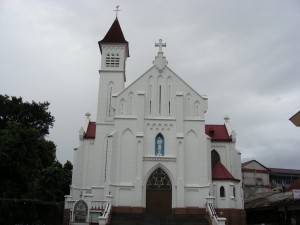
(159, 193)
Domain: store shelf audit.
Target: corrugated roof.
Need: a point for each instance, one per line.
(217, 132)
(285, 171)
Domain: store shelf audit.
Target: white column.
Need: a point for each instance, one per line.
(179, 113)
(138, 196)
(107, 164)
(180, 146)
(180, 173)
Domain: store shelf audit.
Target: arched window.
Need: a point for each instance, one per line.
(222, 192)
(159, 145)
(215, 157)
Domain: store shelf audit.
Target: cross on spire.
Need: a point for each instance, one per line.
(117, 10)
(160, 45)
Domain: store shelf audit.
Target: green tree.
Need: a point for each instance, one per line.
(55, 181)
(19, 161)
(34, 115)
(28, 165)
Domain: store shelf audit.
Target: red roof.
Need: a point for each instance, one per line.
(221, 173)
(217, 132)
(91, 130)
(114, 35)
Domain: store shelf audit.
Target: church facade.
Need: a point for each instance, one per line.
(150, 150)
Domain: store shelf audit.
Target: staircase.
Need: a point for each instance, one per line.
(153, 219)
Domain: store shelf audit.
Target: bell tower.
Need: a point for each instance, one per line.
(114, 49)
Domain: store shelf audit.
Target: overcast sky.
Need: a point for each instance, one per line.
(244, 55)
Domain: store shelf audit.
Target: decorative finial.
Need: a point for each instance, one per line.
(226, 118)
(160, 45)
(117, 10)
(87, 115)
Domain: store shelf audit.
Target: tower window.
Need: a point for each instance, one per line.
(112, 60)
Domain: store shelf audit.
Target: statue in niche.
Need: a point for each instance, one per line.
(159, 145)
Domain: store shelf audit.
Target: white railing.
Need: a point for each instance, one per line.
(98, 205)
(104, 219)
(213, 215)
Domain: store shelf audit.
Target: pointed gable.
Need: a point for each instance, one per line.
(254, 165)
(221, 173)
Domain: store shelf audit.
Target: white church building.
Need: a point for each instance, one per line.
(150, 150)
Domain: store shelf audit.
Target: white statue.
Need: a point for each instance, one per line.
(159, 143)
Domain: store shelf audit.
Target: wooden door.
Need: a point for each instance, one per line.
(159, 193)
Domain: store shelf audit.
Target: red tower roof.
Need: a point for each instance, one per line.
(114, 35)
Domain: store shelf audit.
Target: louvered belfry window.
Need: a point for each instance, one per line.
(112, 60)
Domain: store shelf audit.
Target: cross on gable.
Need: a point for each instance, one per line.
(160, 45)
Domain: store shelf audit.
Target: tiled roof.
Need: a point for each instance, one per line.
(217, 132)
(221, 173)
(91, 131)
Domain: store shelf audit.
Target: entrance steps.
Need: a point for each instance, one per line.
(154, 219)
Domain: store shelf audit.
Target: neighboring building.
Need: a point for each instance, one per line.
(283, 178)
(150, 149)
(256, 178)
(270, 194)
(295, 119)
